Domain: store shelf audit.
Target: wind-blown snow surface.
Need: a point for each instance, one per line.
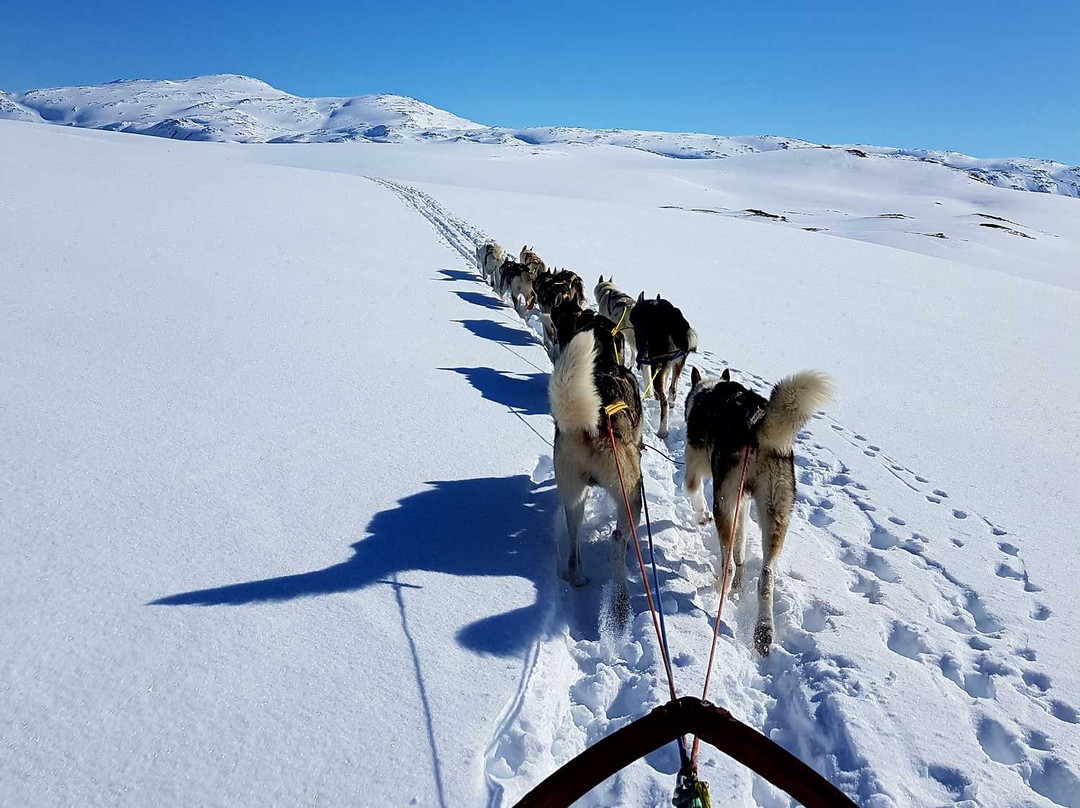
(279, 524)
(231, 108)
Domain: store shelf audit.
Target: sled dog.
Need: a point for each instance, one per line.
(567, 320)
(489, 257)
(664, 340)
(530, 259)
(616, 306)
(723, 418)
(516, 281)
(581, 385)
(549, 285)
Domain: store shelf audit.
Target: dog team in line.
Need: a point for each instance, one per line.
(739, 439)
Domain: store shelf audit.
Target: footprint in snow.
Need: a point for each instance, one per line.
(1064, 712)
(959, 514)
(1038, 740)
(1036, 679)
(1005, 571)
(1000, 744)
(906, 641)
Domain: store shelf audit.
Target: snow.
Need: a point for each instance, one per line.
(278, 513)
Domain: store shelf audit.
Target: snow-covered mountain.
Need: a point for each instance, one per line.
(232, 108)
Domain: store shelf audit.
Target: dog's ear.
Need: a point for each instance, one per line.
(641, 297)
(601, 280)
(695, 377)
(657, 295)
(726, 375)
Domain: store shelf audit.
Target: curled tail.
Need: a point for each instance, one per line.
(691, 341)
(791, 404)
(575, 401)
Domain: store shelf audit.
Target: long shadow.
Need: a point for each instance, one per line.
(524, 392)
(457, 275)
(497, 332)
(490, 526)
(480, 299)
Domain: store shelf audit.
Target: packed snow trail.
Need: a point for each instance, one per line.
(862, 587)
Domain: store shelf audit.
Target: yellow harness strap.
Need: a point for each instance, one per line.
(618, 325)
(615, 333)
(617, 406)
(653, 379)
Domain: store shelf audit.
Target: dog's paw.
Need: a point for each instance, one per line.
(704, 518)
(662, 432)
(763, 638)
(736, 581)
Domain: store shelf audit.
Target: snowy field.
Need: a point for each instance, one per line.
(277, 512)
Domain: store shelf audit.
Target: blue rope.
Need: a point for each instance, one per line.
(683, 756)
(661, 358)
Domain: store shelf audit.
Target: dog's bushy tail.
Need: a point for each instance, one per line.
(691, 340)
(791, 404)
(575, 401)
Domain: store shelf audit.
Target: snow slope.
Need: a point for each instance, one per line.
(241, 109)
(278, 504)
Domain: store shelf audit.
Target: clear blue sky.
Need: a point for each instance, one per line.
(988, 78)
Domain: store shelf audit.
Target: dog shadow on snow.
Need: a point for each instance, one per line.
(490, 527)
(525, 393)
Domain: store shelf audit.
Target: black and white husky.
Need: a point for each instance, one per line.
(582, 384)
(616, 306)
(489, 257)
(664, 339)
(567, 321)
(723, 418)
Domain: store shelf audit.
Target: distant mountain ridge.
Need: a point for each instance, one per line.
(240, 109)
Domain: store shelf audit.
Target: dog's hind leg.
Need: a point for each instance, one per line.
(724, 514)
(661, 393)
(676, 372)
(740, 544)
(697, 468)
(773, 513)
(619, 538)
(572, 493)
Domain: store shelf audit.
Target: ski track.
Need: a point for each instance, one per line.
(583, 680)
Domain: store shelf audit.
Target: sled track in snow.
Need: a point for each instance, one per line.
(457, 234)
(582, 681)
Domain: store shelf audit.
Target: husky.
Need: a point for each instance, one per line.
(664, 340)
(567, 320)
(724, 420)
(575, 284)
(489, 257)
(581, 385)
(548, 287)
(616, 306)
(530, 259)
(516, 280)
